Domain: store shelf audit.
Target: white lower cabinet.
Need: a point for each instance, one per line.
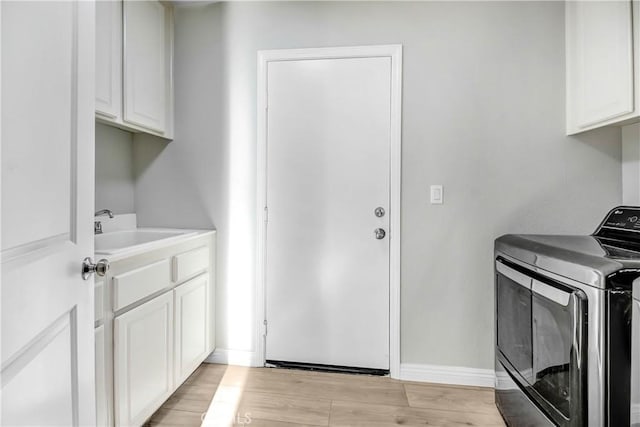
(143, 359)
(191, 326)
(156, 325)
(102, 410)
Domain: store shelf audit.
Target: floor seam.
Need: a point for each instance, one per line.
(330, 412)
(327, 398)
(179, 410)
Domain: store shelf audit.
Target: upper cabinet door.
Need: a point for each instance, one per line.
(600, 63)
(145, 60)
(109, 58)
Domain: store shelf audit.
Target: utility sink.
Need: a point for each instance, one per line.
(117, 241)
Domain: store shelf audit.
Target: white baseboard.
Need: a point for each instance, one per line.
(234, 357)
(635, 413)
(455, 375)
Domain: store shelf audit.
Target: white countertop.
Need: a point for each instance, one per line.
(121, 238)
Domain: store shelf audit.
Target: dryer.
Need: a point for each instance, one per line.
(564, 315)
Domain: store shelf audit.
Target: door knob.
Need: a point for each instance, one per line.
(88, 267)
(380, 233)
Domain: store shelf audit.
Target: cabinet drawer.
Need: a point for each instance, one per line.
(98, 301)
(136, 284)
(188, 264)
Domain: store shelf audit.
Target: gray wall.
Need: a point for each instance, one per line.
(631, 164)
(483, 114)
(115, 186)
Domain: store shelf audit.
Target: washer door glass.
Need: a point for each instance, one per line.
(559, 345)
(513, 307)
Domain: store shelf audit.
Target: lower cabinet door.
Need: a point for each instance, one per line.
(191, 326)
(143, 360)
(102, 407)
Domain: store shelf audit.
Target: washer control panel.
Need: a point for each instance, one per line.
(623, 218)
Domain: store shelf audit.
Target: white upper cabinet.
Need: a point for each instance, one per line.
(109, 59)
(145, 59)
(134, 54)
(602, 86)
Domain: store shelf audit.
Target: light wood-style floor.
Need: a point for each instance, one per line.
(234, 396)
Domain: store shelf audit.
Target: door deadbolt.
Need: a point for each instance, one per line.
(380, 233)
(379, 212)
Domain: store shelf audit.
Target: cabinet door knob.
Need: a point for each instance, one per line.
(100, 268)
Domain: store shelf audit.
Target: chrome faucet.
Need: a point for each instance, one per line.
(97, 225)
(104, 212)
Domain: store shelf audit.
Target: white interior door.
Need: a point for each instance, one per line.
(328, 148)
(47, 200)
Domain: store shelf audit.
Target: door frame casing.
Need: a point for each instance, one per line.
(395, 163)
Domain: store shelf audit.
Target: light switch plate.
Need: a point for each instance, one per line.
(437, 194)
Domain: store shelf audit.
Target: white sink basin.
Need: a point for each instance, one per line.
(117, 241)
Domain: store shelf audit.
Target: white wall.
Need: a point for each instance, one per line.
(115, 186)
(483, 114)
(631, 165)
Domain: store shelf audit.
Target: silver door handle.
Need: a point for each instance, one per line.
(519, 278)
(554, 294)
(380, 233)
(100, 268)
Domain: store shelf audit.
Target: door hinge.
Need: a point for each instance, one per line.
(266, 214)
(265, 327)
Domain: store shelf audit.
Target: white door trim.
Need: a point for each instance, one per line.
(395, 53)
